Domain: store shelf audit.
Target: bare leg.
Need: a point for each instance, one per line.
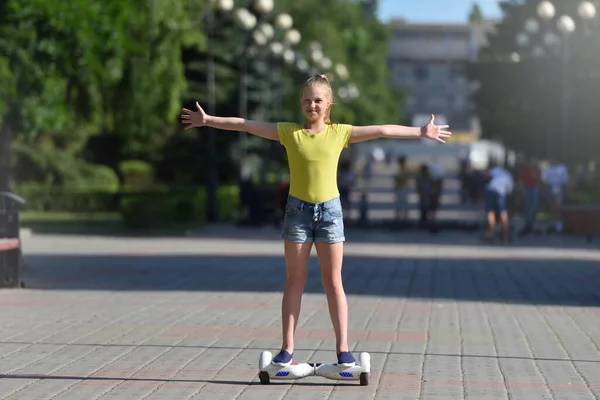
(504, 223)
(491, 217)
(296, 260)
(330, 258)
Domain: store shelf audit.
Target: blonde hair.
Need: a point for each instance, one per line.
(321, 81)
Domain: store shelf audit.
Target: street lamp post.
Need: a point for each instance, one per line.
(258, 34)
(566, 26)
(277, 52)
(281, 54)
(212, 210)
(248, 22)
(260, 37)
(523, 39)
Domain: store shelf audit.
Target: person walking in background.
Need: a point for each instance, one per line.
(436, 169)
(428, 191)
(530, 178)
(501, 185)
(402, 185)
(555, 178)
(437, 172)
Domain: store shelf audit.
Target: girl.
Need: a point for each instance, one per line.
(313, 210)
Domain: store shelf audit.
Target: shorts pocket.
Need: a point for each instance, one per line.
(334, 212)
(292, 209)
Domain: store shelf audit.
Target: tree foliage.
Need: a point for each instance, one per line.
(351, 36)
(101, 81)
(50, 65)
(476, 15)
(70, 70)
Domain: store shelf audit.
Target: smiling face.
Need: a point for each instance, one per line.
(316, 101)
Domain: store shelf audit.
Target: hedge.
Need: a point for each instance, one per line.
(148, 209)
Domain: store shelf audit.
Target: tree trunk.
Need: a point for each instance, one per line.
(5, 173)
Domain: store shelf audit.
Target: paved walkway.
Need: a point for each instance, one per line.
(186, 318)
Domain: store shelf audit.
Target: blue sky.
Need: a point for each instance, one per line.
(434, 11)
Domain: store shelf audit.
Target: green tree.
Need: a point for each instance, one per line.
(143, 105)
(370, 7)
(70, 71)
(49, 68)
(359, 41)
(476, 15)
(346, 34)
(350, 34)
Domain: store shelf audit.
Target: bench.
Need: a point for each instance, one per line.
(582, 220)
(10, 243)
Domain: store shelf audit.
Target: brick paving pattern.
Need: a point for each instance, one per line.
(107, 318)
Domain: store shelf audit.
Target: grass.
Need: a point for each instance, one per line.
(544, 216)
(62, 216)
(71, 223)
(101, 223)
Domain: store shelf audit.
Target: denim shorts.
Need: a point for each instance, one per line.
(494, 201)
(313, 222)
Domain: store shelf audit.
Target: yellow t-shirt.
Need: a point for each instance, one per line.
(313, 159)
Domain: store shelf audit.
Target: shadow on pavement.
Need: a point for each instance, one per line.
(516, 280)
(117, 378)
(164, 380)
(591, 358)
(450, 232)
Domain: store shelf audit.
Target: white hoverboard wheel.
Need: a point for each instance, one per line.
(265, 359)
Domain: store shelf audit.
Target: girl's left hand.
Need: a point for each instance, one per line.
(435, 132)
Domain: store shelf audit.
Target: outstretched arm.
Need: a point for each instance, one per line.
(194, 119)
(429, 131)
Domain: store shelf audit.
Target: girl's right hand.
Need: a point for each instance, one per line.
(193, 119)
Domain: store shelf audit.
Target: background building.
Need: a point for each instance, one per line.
(427, 63)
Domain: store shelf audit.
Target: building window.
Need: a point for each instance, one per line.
(437, 105)
(438, 72)
(421, 72)
(456, 71)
